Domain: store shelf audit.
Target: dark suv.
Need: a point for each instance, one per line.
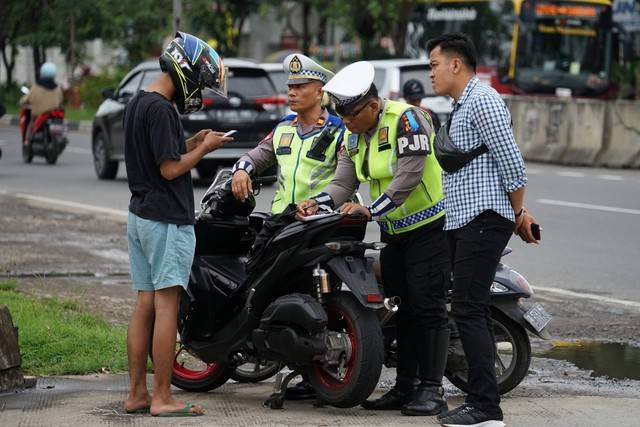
(253, 108)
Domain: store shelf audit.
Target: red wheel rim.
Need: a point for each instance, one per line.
(189, 374)
(349, 328)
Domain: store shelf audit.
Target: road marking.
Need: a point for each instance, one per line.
(571, 174)
(611, 177)
(588, 206)
(73, 206)
(78, 150)
(584, 295)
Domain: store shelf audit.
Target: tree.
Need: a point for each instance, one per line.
(221, 20)
(370, 20)
(11, 16)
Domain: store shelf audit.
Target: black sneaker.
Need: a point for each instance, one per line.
(468, 416)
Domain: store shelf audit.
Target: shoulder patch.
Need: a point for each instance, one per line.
(413, 145)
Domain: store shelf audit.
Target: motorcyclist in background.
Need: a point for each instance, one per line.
(45, 95)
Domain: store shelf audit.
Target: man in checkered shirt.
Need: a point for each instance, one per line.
(484, 205)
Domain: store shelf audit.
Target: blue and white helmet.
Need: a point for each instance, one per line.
(193, 65)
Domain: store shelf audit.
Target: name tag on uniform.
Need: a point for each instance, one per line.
(383, 139)
(284, 144)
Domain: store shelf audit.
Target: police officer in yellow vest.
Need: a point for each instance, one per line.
(305, 145)
(390, 145)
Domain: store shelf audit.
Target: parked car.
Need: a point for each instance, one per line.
(277, 76)
(253, 108)
(392, 74)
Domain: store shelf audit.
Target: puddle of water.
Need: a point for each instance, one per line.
(614, 360)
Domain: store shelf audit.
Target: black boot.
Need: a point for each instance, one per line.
(394, 399)
(301, 391)
(427, 401)
(432, 358)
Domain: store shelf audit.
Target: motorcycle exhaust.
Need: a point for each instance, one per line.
(391, 305)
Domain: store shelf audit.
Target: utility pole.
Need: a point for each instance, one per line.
(177, 15)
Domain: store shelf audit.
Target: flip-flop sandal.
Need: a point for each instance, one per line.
(138, 411)
(183, 412)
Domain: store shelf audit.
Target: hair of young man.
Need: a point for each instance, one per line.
(456, 44)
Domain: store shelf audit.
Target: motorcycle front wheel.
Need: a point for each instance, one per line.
(513, 356)
(192, 374)
(351, 385)
(256, 371)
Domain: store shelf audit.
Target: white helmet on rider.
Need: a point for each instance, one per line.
(48, 71)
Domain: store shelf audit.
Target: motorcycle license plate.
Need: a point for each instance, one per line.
(537, 317)
(56, 128)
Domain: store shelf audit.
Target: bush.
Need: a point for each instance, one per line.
(91, 87)
(10, 96)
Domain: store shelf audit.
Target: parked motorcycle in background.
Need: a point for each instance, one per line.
(48, 134)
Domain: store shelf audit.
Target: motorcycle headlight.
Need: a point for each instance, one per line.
(498, 288)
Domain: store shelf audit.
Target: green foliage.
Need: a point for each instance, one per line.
(91, 87)
(8, 286)
(10, 96)
(61, 337)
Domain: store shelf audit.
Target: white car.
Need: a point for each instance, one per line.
(392, 74)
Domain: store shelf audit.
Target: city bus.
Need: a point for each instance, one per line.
(561, 47)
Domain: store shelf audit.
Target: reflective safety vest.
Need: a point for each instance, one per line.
(425, 203)
(306, 165)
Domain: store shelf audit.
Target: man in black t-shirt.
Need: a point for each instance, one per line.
(160, 229)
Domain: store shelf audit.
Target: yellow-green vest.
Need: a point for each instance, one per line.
(425, 204)
(300, 173)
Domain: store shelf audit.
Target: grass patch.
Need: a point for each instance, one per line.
(61, 337)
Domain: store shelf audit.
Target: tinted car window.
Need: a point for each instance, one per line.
(420, 73)
(130, 87)
(249, 83)
(279, 79)
(149, 77)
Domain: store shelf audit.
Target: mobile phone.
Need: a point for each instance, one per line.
(231, 132)
(535, 230)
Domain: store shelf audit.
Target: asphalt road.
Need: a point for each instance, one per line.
(590, 217)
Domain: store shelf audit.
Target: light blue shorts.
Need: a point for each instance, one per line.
(160, 254)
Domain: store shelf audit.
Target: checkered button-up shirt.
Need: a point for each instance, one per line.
(481, 117)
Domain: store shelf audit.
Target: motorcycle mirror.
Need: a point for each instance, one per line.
(24, 90)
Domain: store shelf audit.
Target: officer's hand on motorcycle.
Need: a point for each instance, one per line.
(523, 227)
(214, 140)
(306, 208)
(241, 185)
(351, 208)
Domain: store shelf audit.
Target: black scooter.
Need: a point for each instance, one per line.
(307, 298)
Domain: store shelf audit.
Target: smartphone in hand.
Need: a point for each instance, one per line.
(231, 132)
(535, 230)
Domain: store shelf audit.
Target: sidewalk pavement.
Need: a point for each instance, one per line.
(97, 400)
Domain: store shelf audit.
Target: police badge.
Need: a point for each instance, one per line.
(295, 66)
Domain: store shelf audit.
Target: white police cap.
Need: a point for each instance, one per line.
(351, 84)
(303, 69)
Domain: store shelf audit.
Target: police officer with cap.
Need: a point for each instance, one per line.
(389, 145)
(413, 92)
(305, 147)
(312, 135)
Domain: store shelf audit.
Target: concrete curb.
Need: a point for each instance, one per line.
(84, 126)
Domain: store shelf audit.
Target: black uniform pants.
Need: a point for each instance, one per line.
(415, 266)
(475, 252)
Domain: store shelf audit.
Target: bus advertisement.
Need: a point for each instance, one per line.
(527, 46)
